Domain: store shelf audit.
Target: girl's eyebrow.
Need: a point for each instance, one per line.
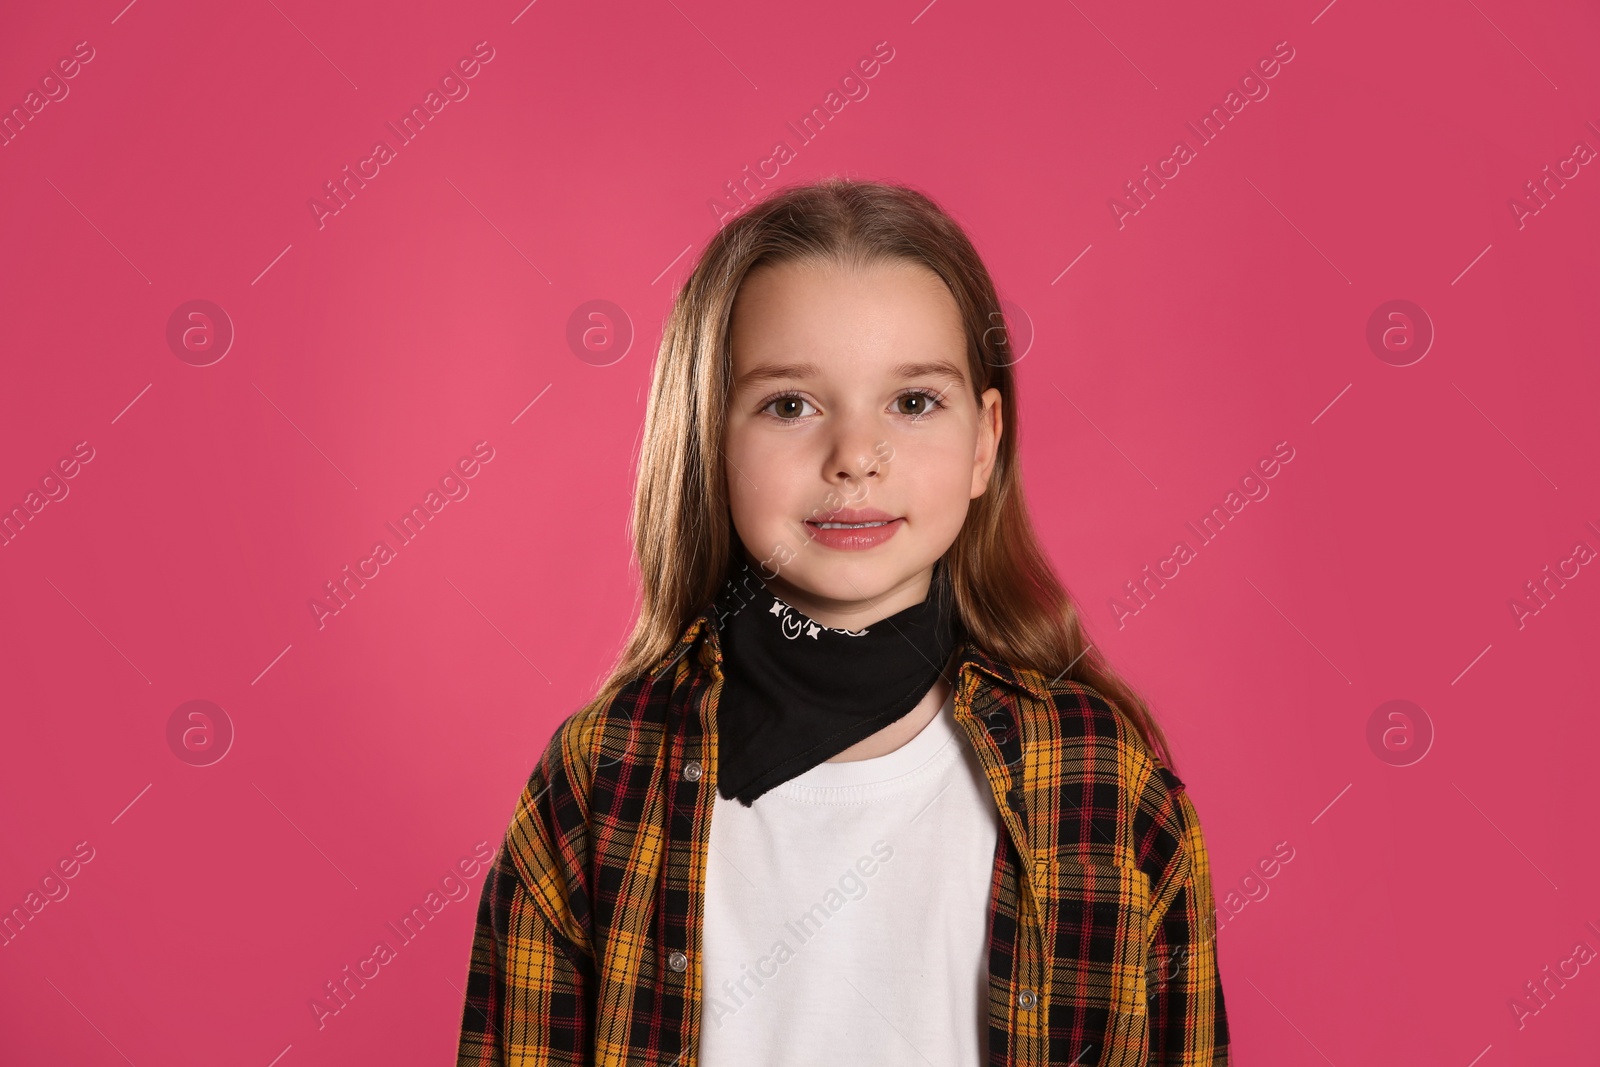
(777, 372)
(942, 369)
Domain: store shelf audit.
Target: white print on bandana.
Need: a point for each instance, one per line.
(794, 623)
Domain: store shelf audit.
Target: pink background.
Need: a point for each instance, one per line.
(1229, 314)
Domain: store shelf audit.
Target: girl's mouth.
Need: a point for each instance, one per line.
(848, 536)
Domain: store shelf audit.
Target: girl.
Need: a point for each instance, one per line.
(858, 788)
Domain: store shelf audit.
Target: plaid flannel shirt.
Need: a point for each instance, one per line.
(1102, 933)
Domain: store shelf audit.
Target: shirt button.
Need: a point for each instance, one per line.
(678, 961)
(692, 771)
(1027, 998)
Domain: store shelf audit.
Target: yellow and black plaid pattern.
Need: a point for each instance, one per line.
(1102, 946)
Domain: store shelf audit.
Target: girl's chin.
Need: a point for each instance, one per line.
(840, 578)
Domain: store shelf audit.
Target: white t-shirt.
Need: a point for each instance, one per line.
(847, 913)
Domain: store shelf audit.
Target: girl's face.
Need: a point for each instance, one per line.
(851, 403)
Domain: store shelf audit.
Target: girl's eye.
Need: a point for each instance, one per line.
(927, 402)
(792, 406)
(787, 403)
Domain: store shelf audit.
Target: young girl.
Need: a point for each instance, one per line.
(858, 788)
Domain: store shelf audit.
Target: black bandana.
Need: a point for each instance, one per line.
(796, 693)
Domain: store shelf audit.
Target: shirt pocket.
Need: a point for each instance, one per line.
(1096, 925)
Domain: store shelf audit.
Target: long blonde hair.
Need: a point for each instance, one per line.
(1005, 591)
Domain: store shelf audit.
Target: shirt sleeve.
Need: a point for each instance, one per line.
(1188, 1022)
(530, 983)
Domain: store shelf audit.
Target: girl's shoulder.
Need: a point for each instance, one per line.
(1084, 708)
(1079, 714)
(1073, 709)
(609, 729)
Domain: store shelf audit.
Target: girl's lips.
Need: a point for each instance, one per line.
(853, 515)
(852, 539)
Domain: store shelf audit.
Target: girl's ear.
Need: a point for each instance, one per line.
(991, 424)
